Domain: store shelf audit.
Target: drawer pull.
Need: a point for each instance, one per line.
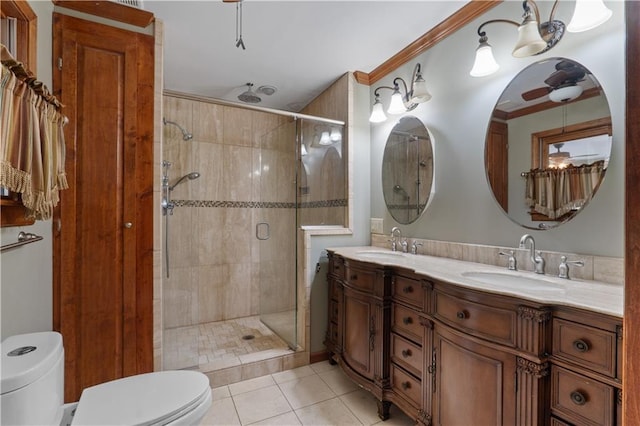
(408, 289)
(407, 320)
(406, 353)
(462, 314)
(580, 345)
(578, 398)
(405, 385)
(354, 277)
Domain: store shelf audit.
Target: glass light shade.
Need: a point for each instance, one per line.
(529, 40)
(420, 92)
(335, 135)
(565, 94)
(396, 106)
(587, 15)
(377, 113)
(485, 64)
(325, 139)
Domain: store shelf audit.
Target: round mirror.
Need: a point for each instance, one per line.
(407, 170)
(548, 143)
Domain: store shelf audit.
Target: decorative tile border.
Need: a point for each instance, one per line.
(260, 204)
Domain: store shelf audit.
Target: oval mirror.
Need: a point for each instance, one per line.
(407, 170)
(548, 143)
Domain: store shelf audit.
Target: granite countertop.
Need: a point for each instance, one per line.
(590, 295)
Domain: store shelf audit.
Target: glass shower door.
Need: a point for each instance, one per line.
(276, 228)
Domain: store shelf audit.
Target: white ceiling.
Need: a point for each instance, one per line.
(298, 46)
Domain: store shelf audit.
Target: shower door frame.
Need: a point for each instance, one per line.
(271, 271)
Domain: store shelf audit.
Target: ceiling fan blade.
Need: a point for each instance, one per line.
(530, 95)
(557, 78)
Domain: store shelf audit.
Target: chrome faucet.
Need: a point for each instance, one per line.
(395, 234)
(536, 258)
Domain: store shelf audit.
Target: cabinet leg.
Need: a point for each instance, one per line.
(383, 409)
(332, 360)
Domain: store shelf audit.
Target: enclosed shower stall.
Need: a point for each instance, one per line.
(236, 192)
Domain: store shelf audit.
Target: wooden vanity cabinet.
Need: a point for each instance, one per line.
(362, 295)
(586, 384)
(450, 355)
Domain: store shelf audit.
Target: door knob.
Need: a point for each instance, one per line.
(128, 225)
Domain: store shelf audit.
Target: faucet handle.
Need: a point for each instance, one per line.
(563, 268)
(414, 247)
(512, 263)
(405, 245)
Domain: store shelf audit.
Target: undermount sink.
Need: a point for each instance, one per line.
(512, 281)
(375, 254)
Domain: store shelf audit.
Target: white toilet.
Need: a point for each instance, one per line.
(33, 389)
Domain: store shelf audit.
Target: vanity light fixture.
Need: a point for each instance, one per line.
(400, 103)
(535, 37)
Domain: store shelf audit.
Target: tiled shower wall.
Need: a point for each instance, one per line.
(244, 158)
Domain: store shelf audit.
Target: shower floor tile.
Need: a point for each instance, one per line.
(219, 345)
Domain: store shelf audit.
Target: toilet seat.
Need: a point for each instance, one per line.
(163, 397)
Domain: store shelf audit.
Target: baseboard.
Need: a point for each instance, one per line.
(318, 357)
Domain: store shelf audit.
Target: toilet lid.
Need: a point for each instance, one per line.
(145, 399)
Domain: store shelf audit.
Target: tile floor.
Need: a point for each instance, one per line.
(218, 345)
(316, 394)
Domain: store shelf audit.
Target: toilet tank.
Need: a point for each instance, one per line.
(32, 379)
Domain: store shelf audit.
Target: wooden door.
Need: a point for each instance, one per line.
(475, 384)
(103, 228)
(497, 162)
(359, 332)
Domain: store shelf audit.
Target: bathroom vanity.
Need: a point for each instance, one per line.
(456, 343)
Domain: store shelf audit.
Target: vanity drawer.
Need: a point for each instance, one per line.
(406, 354)
(586, 346)
(406, 385)
(409, 291)
(360, 278)
(489, 322)
(580, 400)
(407, 322)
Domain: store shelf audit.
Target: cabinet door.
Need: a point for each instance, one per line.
(359, 332)
(103, 242)
(475, 384)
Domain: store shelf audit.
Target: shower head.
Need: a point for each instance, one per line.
(185, 134)
(190, 176)
(249, 96)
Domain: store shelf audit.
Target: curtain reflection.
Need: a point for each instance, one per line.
(556, 192)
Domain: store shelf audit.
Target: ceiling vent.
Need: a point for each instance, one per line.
(133, 3)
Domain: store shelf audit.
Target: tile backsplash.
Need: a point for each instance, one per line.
(598, 268)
